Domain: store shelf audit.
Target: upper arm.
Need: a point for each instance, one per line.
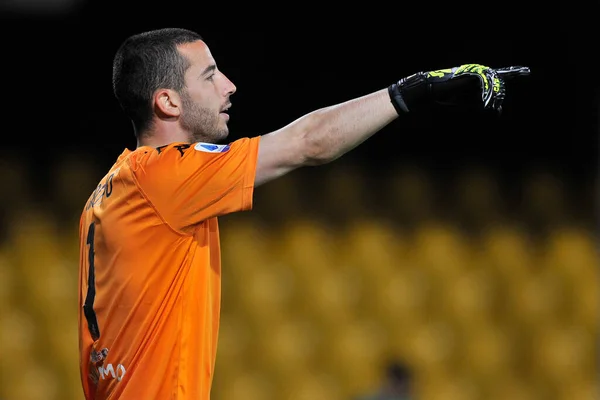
(189, 183)
(280, 152)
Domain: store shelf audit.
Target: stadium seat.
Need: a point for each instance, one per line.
(510, 386)
(538, 299)
(477, 198)
(563, 352)
(308, 246)
(14, 174)
(572, 252)
(344, 193)
(8, 283)
(445, 385)
(236, 336)
(409, 195)
(246, 385)
(74, 177)
(33, 381)
(486, 352)
(469, 299)
(375, 248)
(508, 252)
(265, 294)
(312, 385)
(245, 247)
(544, 202)
(431, 346)
(332, 296)
(580, 388)
(279, 200)
(18, 341)
(402, 301)
(46, 278)
(442, 250)
(286, 347)
(354, 354)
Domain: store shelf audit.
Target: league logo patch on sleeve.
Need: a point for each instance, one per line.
(211, 148)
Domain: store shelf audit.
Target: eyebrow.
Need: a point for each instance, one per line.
(209, 69)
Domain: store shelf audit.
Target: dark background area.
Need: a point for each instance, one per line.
(286, 62)
(288, 59)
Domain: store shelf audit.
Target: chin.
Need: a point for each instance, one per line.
(224, 134)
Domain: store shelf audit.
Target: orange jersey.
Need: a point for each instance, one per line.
(150, 269)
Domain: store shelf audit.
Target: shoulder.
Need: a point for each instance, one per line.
(180, 155)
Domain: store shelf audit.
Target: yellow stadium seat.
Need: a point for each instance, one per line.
(343, 193)
(68, 243)
(486, 352)
(538, 299)
(563, 352)
(329, 297)
(374, 249)
(308, 246)
(266, 293)
(245, 247)
(544, 201)
(74, 177)
(63, 339)
(311, 385)
(511, 387)
(354, 355)
(570, 253)
(18, 335)
(442, 250)
(469, 299)
(429, 347)
(573, 253)
(446, 385)
(585, 304)
(32, 236)
(580, 388)
(478, 197)
(286, 347)
(402, 300)
(14, 174)
(410, 195)
(33, 382)
(280, 199)
(248, 385)
(8, 283)
(508, 250)
(236, 342)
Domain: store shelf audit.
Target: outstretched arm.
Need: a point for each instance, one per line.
(323, 135)
(326, 134)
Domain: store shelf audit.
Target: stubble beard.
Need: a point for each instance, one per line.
(202, 123)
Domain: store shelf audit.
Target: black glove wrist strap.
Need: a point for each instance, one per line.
(409, 93)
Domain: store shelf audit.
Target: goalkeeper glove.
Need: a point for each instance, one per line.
(454, 86)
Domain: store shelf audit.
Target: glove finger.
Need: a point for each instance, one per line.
(513, 71)
(497, 92)
(492, 87)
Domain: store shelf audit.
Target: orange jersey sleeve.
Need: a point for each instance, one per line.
(150, 269)
(191, 183)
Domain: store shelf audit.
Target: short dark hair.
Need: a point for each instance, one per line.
(146, 62)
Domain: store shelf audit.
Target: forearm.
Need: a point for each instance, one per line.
(323, 135)
(330, 132)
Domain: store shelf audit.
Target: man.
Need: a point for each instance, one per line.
(150, 264)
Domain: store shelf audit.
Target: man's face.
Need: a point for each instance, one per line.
(206, 96)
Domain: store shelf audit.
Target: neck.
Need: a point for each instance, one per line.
(162, 136)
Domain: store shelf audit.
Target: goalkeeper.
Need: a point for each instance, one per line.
(150, 265)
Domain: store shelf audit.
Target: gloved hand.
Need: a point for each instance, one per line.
(456, 86)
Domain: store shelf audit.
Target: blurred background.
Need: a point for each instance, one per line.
(453, 256)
